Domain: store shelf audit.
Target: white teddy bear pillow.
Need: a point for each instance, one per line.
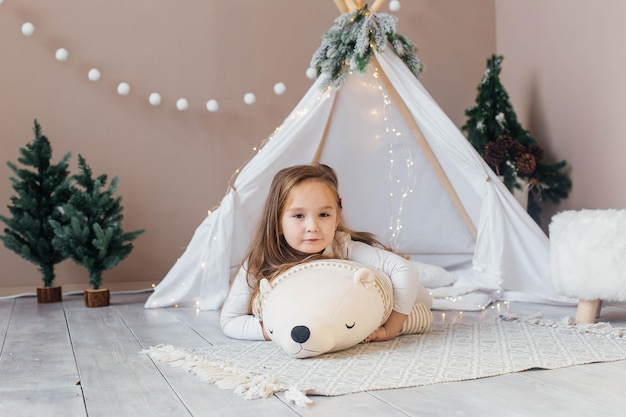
(323, 306)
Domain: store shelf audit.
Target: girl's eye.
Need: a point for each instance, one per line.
(299, 216)
(324, 215)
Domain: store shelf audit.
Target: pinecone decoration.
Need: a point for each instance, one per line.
(536, 150)
(505, 141)
(517, 149)
(494, 154)
(526, 163)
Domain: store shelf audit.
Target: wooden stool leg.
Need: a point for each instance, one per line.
(588, 310)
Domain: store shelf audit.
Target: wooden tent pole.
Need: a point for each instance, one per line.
(377, 5)
(352, 6)
(341, 5)
(430, 156)
(348, 6)
(320, 146)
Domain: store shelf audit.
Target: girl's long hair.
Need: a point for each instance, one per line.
(269, 254)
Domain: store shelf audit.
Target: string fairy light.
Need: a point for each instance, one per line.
(402, 177)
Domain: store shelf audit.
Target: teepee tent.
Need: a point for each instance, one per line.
(406, 173)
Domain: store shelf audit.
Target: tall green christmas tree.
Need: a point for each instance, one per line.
(90, 231)
(41, 188)
(510, 150)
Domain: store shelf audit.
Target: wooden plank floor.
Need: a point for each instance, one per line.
(64, 359)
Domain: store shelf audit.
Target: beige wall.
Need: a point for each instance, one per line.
(564, 69)
(174, 166)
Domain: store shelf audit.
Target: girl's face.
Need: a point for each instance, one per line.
(310, 217)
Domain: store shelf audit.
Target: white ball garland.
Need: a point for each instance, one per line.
(123, 89)
(249, 99)
(182, 104)
(61, 54)
(93, 74)
(279, 89)
(28, 29)
(154, 99)
(394, 5)
(212, 106)
(311, 73)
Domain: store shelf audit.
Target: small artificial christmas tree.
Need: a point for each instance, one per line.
(90, 231)
(510, 150)
(42, 188)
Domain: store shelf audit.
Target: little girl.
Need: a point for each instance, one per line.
(302, 220)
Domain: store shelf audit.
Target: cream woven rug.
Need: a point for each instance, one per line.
(452, 352)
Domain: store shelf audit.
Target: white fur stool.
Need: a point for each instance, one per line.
(588, 258)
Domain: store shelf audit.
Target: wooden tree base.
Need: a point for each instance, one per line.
(97, 298)
(49, 294)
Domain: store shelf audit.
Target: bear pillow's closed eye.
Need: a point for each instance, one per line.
(323, 306)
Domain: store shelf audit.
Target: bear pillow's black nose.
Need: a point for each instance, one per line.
(300, 334)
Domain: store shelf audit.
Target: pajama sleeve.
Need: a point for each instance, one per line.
(235, 320)
(404, 274)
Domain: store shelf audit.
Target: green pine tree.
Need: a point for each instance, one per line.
(90, 231)
(510, 150)
(42, 188)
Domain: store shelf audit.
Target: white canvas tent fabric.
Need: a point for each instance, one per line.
(406, 173)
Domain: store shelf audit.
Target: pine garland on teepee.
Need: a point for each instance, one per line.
(90, 231)
(42, 188)
(348, 45)
(510, 150)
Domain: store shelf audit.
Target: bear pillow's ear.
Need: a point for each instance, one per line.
(265, 287)
(364, 277)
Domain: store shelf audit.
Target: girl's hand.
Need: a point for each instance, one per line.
(265, 335)
(377, 335)
(389, 330)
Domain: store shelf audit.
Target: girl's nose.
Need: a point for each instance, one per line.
(311, 225)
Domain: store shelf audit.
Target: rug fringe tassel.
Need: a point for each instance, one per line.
(248, 385)
(600, 328)
(297, 397)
